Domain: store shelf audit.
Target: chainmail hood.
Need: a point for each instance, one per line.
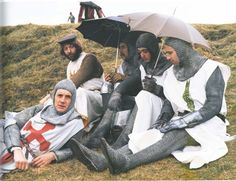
(190, 60)
(131, 62)
(67, 85)
(150, 41)
(50, 114)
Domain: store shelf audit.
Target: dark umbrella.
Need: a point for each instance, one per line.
(106, 31)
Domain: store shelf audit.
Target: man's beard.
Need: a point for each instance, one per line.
(75, 56)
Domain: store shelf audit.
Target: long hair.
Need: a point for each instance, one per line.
(77, 47)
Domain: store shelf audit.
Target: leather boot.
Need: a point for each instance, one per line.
(92, 138)
(118, 162)
(123, 138)
(91, 159)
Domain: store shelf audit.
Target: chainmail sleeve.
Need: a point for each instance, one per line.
(214, 95)
(12, 130)
(63, 154)
(23, 116)
(130, 86)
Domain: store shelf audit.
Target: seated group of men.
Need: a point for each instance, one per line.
(160, 98)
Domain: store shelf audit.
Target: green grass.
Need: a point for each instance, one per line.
(31, 65)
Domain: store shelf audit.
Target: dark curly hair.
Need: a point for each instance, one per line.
(78, 50)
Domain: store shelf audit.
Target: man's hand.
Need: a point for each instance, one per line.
(118, 77)
(20, 160)
(108, 78)
(149, 84)
(44, 159)
(173, 124)
(158, 124)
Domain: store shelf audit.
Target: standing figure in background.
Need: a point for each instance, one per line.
(71, 18)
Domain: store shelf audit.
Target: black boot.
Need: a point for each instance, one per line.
(92, 138)
(91, 159)
(123, 138)
(171, 141)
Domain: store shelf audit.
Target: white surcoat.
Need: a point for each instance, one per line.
(88, 98)
(211, 135)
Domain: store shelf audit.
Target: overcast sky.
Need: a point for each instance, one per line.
(15, 12)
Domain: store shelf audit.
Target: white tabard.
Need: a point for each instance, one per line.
(89, 100)
(43, 137)
(149, 108)
(211, 135)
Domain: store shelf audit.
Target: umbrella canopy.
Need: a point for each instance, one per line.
(106, 31)
(165, 26)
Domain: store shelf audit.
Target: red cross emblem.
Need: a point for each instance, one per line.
(37, 135)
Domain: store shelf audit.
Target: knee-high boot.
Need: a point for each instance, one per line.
(93, 160)
(123, 138)
(170, 142)
(92, 138)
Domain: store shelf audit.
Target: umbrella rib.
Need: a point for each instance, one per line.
(190, 35)
(163, 26)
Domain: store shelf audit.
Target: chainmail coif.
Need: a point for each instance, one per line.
(190, 60)
(150, 42)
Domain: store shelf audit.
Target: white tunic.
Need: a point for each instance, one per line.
(149, 108)
(89, 100)
(43, 137)
(211, 135)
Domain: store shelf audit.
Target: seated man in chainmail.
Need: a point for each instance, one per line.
(86, 72)
(149, 102)
(195, 87)
(38, 135)
(127, 84)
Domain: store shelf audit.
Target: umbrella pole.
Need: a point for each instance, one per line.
(117, 52)
(162, 44)
(116, 62)
(159, 54)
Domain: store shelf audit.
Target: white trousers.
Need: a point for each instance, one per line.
(149, 108)
(89, 103)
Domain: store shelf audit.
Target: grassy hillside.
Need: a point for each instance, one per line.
(31, 65)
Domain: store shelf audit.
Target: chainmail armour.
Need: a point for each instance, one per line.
(122, 160)
(190, 60)
(150, 42)
(130, 63)
(50, 114)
